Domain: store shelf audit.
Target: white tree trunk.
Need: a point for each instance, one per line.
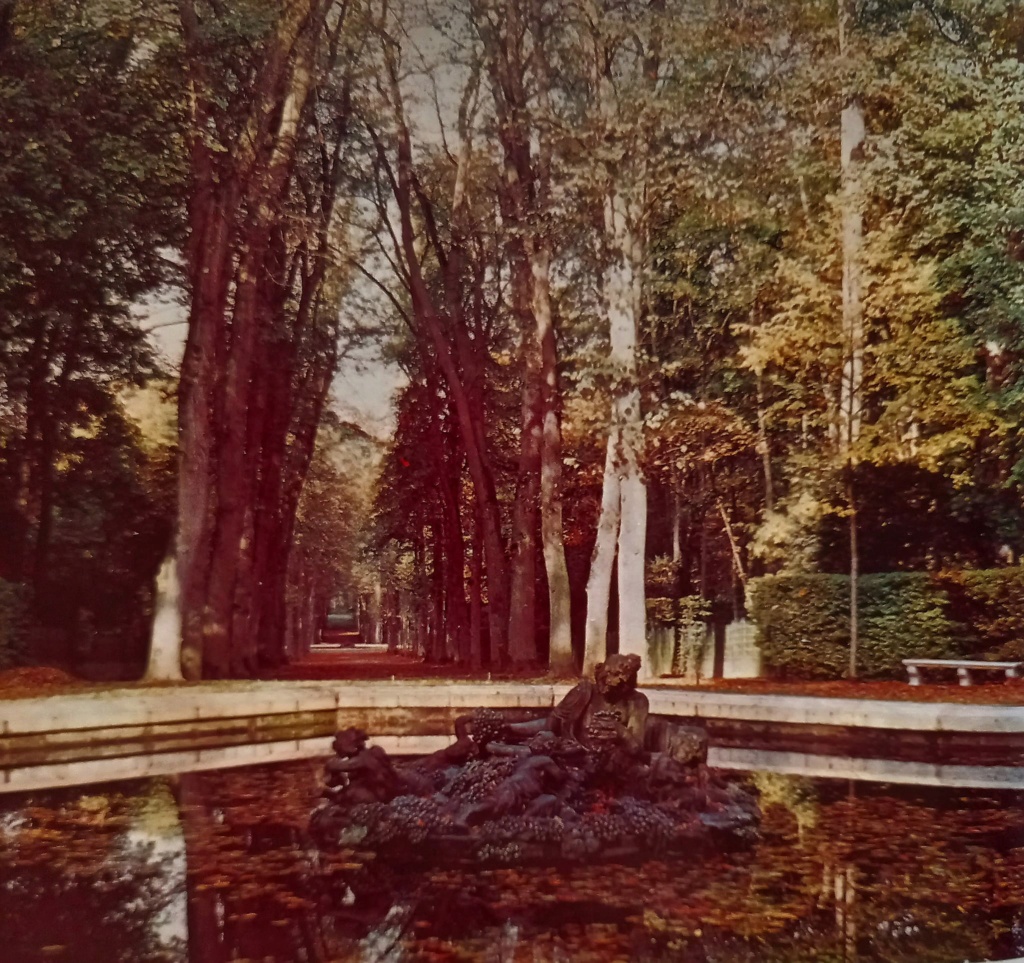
(560, 658)
(632, 537)
(623, 522)
(851, 393)
(164, 663)
(600, 579)
(623, 294)
(851, 400)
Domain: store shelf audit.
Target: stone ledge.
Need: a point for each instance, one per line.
(868, 770)
(819, 710)
(81, 738)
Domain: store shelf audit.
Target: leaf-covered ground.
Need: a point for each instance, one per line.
(988, 693)
(362, 665)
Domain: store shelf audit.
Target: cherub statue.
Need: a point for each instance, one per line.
(360, 774)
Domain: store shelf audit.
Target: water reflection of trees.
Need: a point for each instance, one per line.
(80, 882)
(840, 874)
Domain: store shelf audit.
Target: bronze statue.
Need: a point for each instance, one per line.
(614, 689)
(530, 790)
(597, 775)
(360, 774)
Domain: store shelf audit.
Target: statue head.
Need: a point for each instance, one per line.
(616, 677)
(349, 742)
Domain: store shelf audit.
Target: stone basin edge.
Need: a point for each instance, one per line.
(81, 738)
(148, 707)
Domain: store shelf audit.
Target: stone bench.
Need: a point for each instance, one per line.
(963, 667)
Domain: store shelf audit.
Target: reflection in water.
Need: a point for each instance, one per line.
(155, 838)
(842, 872)
(82, 879)
(383, 944)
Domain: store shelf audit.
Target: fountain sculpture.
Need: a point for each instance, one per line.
(598, 778)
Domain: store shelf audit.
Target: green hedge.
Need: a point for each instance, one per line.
(14, 612)
(803, 623)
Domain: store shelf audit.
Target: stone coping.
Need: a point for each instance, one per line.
(893, 771)
(165, 704)
(825, 711)
(208, 701)
(75, 739)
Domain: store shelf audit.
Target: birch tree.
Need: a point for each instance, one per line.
(622, 50)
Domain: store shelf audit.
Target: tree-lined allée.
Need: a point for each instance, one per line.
(679, 294)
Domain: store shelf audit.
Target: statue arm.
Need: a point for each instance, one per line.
(504, 749)
(638, 713)
(524, 730)
(567, 715)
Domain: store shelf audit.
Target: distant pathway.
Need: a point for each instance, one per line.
(364, 662)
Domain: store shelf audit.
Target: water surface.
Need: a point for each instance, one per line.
(216, 866)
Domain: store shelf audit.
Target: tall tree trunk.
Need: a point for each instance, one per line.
(208, 257)
(632, 539)
(514, 49)
(602, 560)
(624, 193)
(560, 657)
(623, 296)
(468, 417)
(235, 471)
(238, 195)
(852, 133)
(627, 520)
(522, 642)
(476, 594)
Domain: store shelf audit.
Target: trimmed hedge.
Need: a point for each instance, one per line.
(14, 612)
(803, 623)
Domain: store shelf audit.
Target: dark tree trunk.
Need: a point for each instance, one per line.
(476, 653)
(241, 251)
(522, 641)
(209, 270)
(458, 367)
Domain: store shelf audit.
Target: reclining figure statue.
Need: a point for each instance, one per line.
(612, 693)
(596, 770)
